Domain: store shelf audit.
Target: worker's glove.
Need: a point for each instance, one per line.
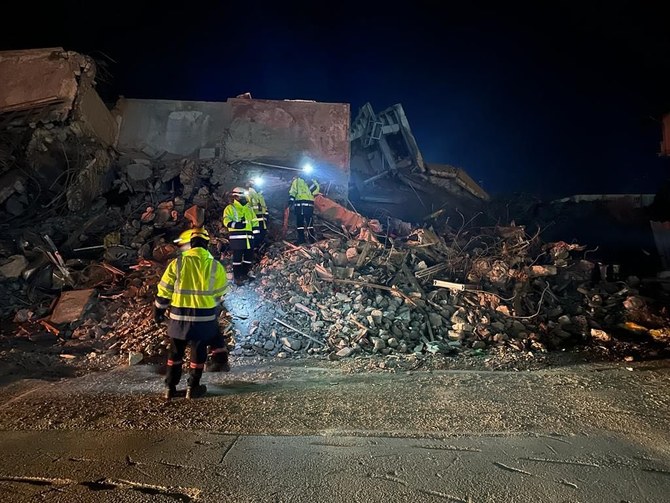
(159, 314)
(241, 224)
(290, 202)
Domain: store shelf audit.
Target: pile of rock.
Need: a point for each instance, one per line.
(344, 297)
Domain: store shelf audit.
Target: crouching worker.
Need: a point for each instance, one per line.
(192, 288)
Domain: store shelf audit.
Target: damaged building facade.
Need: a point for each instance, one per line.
(390, 173)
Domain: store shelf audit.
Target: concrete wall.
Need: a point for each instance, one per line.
(39, 78)
(278, 132)
(288, 131)
(176, 127)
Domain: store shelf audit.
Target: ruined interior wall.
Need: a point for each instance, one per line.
(285, 132)
(39, 76)
(176, 127)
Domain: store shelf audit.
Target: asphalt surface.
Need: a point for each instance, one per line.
(305, 432)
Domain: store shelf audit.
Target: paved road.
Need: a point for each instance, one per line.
(191, 466)
(317, 434)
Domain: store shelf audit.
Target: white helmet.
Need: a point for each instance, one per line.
(239, 192)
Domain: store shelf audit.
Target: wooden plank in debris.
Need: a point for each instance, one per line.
(283, 323)
(407, 298)
(363, 255)
(448, 284)
(305, 309)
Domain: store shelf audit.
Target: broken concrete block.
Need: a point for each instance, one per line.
(345, 352)
(543, 270)
(22, 315)
(435, 319)
(600, 335)
(135, 358)
(196, 215)
(291, 342)
(379, 344)
(352, 254)
(14, 267)
(340, 259)
(10, 183)
(139, 172)
(71, 306)
(16, 205)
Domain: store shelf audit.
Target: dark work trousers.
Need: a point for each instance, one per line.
(176, 360)
(242, 260)
(304, 213)
(259, 237)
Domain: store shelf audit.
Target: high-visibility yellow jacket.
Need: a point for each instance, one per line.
(257, 202)
(192, 287)
(239, 220)
(300, 191)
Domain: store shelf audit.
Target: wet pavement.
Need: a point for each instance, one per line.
(304, 431)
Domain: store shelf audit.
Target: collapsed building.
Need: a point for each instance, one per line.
(385, 156)
(92, 198)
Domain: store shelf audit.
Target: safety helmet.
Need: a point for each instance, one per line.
(186, 236)
(239, 192)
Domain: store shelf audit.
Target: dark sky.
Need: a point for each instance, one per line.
(556, 99)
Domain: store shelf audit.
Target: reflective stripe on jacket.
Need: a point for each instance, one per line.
(234, 213)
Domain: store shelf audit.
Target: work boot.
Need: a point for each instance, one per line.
(239, 281)
(196, 391)
(218, 367)
(251, 276)
(170, 392)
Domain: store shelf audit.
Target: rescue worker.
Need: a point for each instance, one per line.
(257, 201)
(192, 288)
(301, 198)
(238, 217)
(218, 347)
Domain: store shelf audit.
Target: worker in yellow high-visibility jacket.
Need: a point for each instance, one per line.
(238, 217)
(192, 288)
(257, 202)
(301, 198)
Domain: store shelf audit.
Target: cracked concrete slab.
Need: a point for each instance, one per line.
(206, 466)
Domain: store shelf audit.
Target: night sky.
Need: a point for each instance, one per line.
(554, 100)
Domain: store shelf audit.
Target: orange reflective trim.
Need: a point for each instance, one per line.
(197, 365)
(174, 362)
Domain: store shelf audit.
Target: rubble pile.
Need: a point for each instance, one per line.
(422, 293)
(343, 297)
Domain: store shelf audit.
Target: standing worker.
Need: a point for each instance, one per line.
(257, 202)
(301, 198)
(192, 287)
(238, 217)
(219, 346)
